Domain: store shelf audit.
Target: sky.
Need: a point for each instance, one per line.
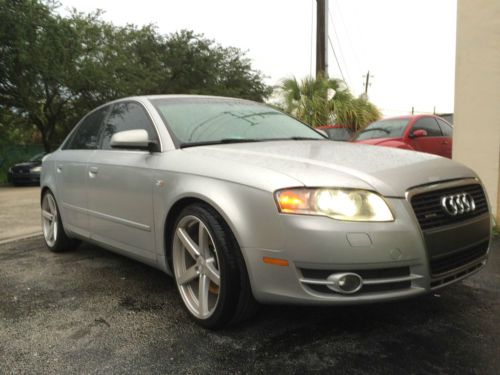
(407, 45)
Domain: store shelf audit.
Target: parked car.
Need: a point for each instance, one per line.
(242, 203)
(26, 173)
(446, 116)
(337, 132)
(424, 133)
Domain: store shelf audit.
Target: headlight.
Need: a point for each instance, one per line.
(36, 169)
(340, 204)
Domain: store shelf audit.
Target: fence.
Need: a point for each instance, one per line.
(11, 154)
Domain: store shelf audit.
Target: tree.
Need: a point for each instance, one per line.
(321, 101)
(55, 69)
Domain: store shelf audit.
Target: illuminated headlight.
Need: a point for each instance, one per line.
(36, 169)
(340, 204)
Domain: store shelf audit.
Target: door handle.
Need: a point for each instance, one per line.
(59, 168)
(445, 142)
(93, 171)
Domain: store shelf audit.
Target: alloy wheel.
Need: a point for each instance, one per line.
(49, 219)
(196, 266)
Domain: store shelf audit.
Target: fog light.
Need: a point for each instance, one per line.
(345, 283)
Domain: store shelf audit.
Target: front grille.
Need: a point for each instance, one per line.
(458, 259)
(449, 278)
(430, 213)
(20, 170)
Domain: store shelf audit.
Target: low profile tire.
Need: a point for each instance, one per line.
(209, 269)
(53, 230)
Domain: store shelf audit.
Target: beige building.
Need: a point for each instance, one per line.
(476, 138)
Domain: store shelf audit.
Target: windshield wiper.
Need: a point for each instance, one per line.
(220, 142)
(371, 129)
(245, 140)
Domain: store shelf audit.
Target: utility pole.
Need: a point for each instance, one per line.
(321, 37)
(367, 83)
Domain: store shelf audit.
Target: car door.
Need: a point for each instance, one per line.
(432, 142)
(71, 171)
(447, 140)
(121, 186)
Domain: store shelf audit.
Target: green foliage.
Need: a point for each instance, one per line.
(55, 69)
(309, 101)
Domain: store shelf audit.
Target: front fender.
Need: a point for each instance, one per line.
(250, 213)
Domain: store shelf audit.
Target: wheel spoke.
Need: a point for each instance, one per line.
(203, 295)
(211, 272)
(202, 239)
(47, 215)
(52, 206)
(50, 233)
(188, 243)
(187, 276)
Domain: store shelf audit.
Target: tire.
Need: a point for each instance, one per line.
(53, 230)
(212, 279)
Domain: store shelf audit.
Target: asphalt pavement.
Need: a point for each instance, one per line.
(91, 311)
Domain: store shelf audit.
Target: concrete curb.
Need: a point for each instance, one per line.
(19, 238)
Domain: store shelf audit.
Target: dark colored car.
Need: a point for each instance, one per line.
(26, 173)
(337, 132)
(424, 133)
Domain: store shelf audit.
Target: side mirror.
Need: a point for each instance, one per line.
(132, 139)
(419, 133)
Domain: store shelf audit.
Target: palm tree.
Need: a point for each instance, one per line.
(322, 100)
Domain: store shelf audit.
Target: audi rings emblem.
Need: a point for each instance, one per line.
(458, 204)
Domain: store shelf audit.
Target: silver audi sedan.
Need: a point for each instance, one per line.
(243, 204)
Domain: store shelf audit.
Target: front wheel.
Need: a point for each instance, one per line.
(209, 269)
(53, 231)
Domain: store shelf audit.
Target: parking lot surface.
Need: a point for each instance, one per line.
(91, 311)
(20, 208)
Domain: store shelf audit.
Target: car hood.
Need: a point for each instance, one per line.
(323, 164)
(28, 164)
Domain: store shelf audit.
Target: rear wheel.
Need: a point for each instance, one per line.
(53, 231)
(209, 269)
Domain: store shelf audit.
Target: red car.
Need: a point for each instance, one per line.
(424, 133)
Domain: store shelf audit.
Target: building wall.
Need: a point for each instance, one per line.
(476, 138)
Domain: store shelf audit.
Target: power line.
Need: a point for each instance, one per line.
(341, 54)
(356, 57)
(335, 55)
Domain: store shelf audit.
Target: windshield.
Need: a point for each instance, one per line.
(391, 128)
(197, 121)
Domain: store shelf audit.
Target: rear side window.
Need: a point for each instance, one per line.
(127, 116)
(86, 137)
(430, 125)
(445, 128)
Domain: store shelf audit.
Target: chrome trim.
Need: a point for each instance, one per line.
(365, 281)
(440, 185)
(114, 219)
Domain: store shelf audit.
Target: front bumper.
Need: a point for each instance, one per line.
(391, 258)
(23, 178)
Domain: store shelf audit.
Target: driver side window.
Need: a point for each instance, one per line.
(126, 116)
(428, 124)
